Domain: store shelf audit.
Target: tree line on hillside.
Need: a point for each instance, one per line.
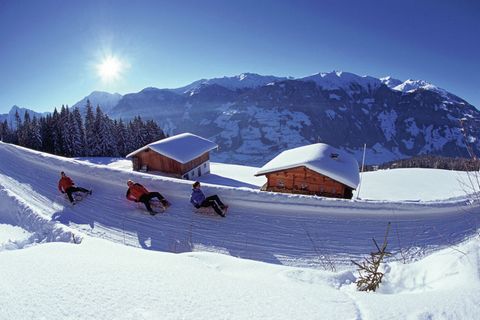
(66, 133)
(431, 161)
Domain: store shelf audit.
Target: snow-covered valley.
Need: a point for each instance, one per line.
(275, 256)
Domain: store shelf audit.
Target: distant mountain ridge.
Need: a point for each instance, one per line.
(254, 117)
(242, 81)
(252, 123)
(10, 116)
(106, 100)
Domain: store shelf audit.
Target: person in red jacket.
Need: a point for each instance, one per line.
(138, 193)
(66, 185)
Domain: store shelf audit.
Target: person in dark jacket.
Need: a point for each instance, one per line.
(66, 185)
(199, 200)
(138, 193)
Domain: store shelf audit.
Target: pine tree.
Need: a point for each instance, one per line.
(18, 120)
(138, 133)
(154, 132)
(57, 133)
(23, 132)
(18, 124)
(78, 133)
(35, 135)
(46, 133)
(63, 133)
(120, 133)
(67, 134)
(104, 142)
(4, 131)
(89, 130)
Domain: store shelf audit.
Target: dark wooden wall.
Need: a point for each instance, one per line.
(158, 162)
(305, 181)
(195, 162)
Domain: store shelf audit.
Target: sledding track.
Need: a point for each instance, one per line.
(274, 228)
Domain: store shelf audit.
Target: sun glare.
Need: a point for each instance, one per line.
(110, 69)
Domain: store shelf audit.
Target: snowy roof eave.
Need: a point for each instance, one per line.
(182, 148)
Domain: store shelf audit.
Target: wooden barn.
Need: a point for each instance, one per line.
(316, 169)
(184, 156)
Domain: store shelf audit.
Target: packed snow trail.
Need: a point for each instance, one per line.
(275, 228)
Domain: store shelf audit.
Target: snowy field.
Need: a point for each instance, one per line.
(274, 257)
(413, 184)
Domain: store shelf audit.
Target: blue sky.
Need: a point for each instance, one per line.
(50, 50)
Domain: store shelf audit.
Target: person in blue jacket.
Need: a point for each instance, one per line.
(199, 200)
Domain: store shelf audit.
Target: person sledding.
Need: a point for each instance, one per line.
(199, 200)
(138, 193)
(66, 185)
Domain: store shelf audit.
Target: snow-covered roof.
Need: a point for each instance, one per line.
(183, 147)
(319, 157)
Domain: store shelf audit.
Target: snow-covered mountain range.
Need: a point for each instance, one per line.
(106, 100)
(254, 117)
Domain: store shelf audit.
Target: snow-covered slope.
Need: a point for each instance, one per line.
(412, 85)
(99, 279)
(390, 82)
(277, 228)
(103, 280)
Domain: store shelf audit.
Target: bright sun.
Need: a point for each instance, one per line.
(110, 69)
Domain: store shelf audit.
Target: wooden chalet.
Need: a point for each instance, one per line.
(184, 156)
(316, 169)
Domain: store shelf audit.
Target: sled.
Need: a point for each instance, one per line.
(77, 196)
(209, 211)
(156, 206)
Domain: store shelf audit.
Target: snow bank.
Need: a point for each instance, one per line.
(10, 236)
(31, 223)
(443, 285)
(103, 280)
